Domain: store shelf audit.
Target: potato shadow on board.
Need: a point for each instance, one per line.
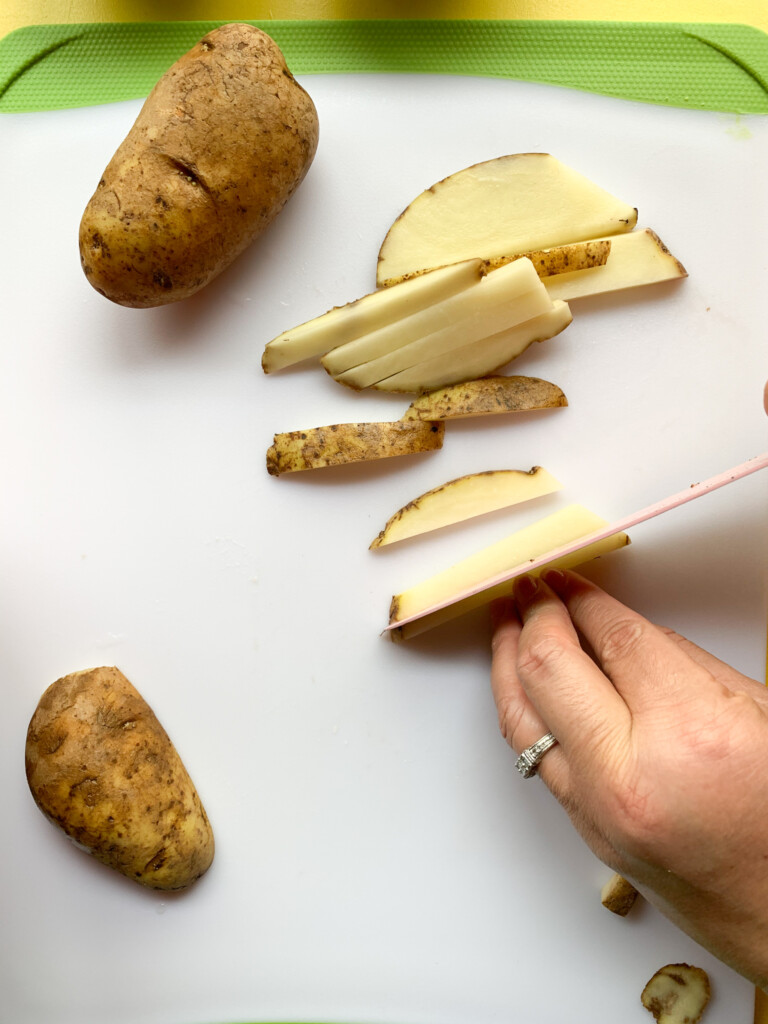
(98, 873)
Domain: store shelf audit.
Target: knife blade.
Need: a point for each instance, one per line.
(697, 490)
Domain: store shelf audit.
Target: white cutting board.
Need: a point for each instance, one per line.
(378, 858)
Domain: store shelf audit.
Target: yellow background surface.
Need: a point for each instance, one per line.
(16, 13)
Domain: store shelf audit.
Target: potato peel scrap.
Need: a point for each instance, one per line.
(485, 397)
(341, 443)
(677, 994)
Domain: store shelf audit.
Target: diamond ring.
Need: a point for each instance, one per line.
(531, 757)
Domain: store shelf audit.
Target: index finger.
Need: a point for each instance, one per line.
(646, 666)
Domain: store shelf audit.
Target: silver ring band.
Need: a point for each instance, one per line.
(531, 757)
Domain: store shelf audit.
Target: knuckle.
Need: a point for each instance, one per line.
(540, 655)
(621, 639)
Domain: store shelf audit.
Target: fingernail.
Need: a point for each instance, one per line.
(525, 588)
(555, 578)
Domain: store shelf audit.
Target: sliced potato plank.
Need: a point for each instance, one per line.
(516, 203)
(457, 500)
(638, 258)
(493, 291)
(547, 534)
(487, 396)
(340, 443)
(369, 313)
(480, 358)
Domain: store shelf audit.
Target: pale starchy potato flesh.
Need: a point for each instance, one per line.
(560, 259)
(461, 606)
(554, 531)
(512, 204)
(479, 359)
(472, 332)
(504, 298)
(100, 766)
(638, 258)
(618, 895)
(677, 994)
(221, 143)
(475, 494)
(487, 396)
(342, 443)
(363, 316)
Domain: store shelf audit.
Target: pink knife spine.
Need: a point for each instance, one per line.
(619, 526)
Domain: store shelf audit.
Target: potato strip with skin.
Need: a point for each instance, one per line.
(503, 287)
(370, 313)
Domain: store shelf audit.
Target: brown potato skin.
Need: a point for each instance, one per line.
(100, 766)
(220, 145)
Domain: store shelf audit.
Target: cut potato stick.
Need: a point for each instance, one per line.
(485, 323)
(487, 396)
(470, 362)
(465, 498)
(495, 291)
(340, 443)
(638, 258)
(512, 204)
(560, 259)
(677, 994)
(344, 323)
(618, 895)
(476, 580)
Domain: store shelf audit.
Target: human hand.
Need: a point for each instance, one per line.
(662, 754)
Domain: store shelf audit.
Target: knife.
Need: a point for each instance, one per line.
(619, 526)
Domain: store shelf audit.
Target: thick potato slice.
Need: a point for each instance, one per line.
(364, 316)
(464, 498)
(512, 204)
(340, 443)
(560, 259)
(100, 766)
(618, 895)
(442, 597)
(480, 358)
(677, 994)
(220, 145)
(487, 396)
(638, 258)
(497, 301)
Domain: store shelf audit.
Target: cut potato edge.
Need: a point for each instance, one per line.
(463, 498)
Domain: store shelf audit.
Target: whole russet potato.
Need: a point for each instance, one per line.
(100, 766)
(220, 145)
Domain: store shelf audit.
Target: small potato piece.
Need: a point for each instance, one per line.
(100, 766)
(340, 443)
(618, 895)
(220, 145)
(485, 397)
(677, 994)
